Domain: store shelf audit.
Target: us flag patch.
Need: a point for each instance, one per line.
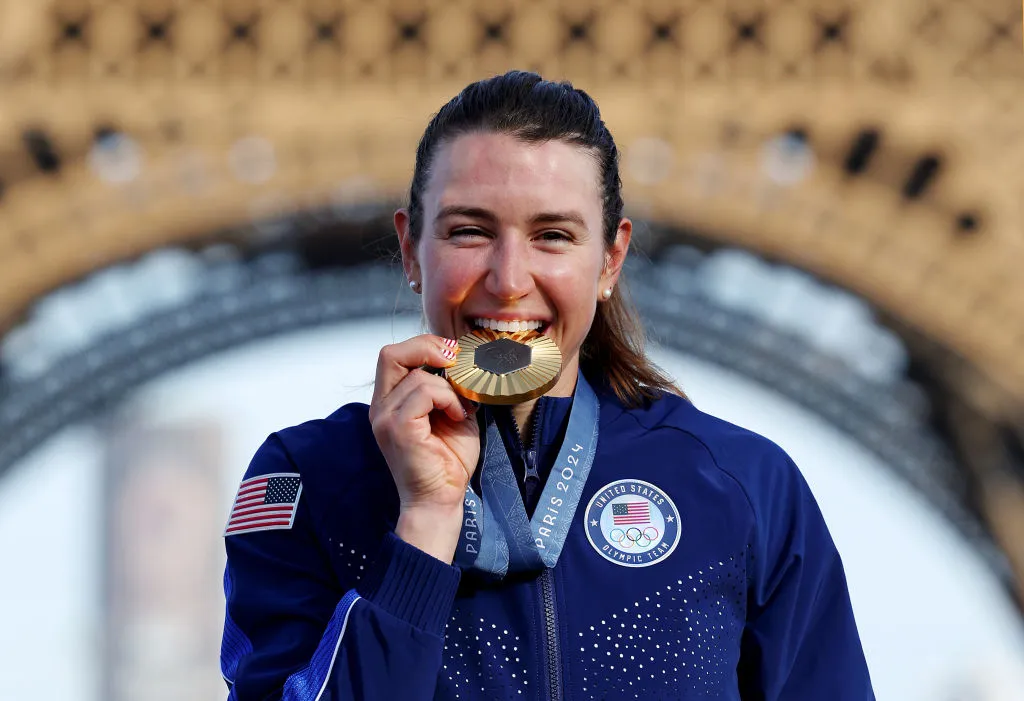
(631, 512)
(265, 503)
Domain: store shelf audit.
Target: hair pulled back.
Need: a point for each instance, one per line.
(526, 106)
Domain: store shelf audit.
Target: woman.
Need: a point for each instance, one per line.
(642, 550)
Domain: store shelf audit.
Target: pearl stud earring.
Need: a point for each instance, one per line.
(607, 294)
(414, 285)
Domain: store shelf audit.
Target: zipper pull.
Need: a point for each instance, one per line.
(531, 464)
(531, 480)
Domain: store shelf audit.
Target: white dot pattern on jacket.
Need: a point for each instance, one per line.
(677, 639)
(354, 561)
(669, 641)
(482, 658)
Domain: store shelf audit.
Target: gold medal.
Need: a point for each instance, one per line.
(499, 367)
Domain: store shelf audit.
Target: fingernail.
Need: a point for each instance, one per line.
(451, 343)
(448, 353)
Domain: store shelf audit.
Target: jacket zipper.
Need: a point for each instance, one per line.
(531, 479)
(531, 475)
(554, 656)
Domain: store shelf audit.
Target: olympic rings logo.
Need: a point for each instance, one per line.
(634, 537)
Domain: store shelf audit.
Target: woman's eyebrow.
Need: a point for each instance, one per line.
(472, 212)
(559, 217)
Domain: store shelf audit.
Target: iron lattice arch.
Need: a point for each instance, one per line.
(235, 111)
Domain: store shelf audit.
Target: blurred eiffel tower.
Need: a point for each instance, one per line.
(877, 145)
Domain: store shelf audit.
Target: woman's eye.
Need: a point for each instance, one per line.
(555, 236)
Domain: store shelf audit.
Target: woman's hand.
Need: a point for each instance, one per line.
(430, 439)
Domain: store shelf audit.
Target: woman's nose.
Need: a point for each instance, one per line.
(509, 276)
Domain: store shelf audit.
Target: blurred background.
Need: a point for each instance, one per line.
(195, 250)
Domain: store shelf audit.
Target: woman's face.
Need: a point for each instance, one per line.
(512, 235)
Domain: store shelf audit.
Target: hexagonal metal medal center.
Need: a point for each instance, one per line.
(502, 356)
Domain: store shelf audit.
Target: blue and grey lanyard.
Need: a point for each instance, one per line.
(496, 534)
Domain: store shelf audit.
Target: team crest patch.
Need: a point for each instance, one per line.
(632, 523)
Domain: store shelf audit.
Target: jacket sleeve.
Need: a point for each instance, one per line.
(294, 631)
(801, 640)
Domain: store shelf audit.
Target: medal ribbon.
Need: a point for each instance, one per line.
(496, 535)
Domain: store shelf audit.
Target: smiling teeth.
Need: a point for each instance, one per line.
(512, 326)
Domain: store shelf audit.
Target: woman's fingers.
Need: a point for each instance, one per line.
(396, 361)
(421, 393)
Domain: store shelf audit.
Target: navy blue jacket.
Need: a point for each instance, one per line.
(697, 566)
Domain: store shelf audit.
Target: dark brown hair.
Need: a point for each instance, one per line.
(530, 108)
